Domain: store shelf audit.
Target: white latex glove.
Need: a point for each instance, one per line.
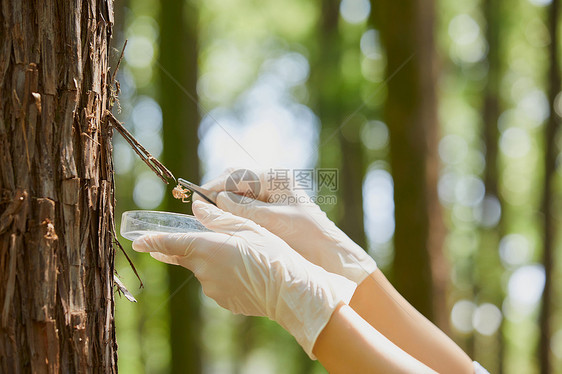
(250, 271)
(291, 215)
(478, 369)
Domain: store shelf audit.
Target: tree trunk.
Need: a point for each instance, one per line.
(551, 152)
(340, 145)
(325, 83)
(56, 188)
(351, 182)
(419, 268)
(491, 111)
(487, 268)
(178, 100)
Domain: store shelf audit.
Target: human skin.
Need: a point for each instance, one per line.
(348, 344)
(375, 299)
(380, 304)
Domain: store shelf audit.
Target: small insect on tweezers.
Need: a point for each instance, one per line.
(184, 187)
(182, 193)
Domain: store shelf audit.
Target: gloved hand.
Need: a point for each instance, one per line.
(291, 215)
(248, 270)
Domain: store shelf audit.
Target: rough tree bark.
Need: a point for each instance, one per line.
(548, 206)
(419, 268)
(178, 99)
(56, 188)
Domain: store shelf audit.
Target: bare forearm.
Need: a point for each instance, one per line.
(348, 344)
(376, 301)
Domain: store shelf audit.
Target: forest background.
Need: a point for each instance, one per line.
(441, 119)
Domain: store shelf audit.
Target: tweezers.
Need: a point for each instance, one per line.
(198, 190)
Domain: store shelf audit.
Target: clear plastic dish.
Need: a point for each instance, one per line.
(136, 223)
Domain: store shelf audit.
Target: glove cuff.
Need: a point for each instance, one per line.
(356, 264)
(360, 270)
(478, 369)
(306, 314)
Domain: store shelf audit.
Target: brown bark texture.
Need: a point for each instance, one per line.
(56, 188)
(419, 268)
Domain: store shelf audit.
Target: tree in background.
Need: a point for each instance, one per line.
(486, 267)
(325, 82)
(330, 92)
(549, 198)
(419, 268)
(178, 100)
(56, 186)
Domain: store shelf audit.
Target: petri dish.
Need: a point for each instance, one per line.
(136, 223)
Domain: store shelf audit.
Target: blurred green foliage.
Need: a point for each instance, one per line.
(239, 42)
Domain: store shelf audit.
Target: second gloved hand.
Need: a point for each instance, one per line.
(290, 214)
(250, 271)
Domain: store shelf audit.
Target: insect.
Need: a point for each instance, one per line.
(181, 193)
